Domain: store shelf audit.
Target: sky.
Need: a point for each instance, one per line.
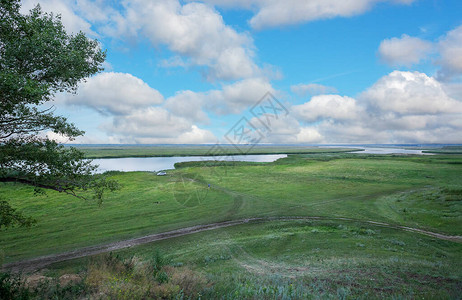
(193, 72)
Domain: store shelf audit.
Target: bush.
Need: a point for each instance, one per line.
(11, 287)
(191, 283)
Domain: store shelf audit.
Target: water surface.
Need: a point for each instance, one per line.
(152, 164)
(388, 150)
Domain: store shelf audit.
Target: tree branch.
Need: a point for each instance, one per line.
(43, 186)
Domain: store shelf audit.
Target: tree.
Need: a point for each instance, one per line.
(37, 60)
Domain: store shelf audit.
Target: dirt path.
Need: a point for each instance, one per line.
(37, 263)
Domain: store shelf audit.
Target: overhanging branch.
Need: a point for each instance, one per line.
(41, 185)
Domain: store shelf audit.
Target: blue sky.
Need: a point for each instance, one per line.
(359, 71)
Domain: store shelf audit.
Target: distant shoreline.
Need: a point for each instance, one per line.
(94, 151)
(125, 151)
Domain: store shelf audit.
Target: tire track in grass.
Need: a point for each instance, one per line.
(33, 264)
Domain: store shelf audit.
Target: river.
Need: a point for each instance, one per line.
(165, 163)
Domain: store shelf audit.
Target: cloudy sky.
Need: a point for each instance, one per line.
(357, 71)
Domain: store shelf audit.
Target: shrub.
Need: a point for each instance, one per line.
(191, 283)
(11, 287)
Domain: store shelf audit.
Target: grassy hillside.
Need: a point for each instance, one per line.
(292, 258)
(280, 260)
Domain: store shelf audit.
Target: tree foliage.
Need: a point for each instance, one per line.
(38, 59)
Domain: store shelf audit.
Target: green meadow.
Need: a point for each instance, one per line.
(271, 259)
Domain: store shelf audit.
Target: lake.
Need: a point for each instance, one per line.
(165, 163)
(387, 150)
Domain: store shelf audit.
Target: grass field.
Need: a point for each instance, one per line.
(298, 260)
(446, 150)
(292, 259)
(112, 151)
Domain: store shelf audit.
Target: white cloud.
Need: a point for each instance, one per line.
(404, 51)
(71, 21)
(189, 105)
(137, 113)
(309, 135)
(114, 93)
(193, 30)
(272, 13)
(327, 107)
(354, 132)
(149, 122)
(410, 93)
(236, 97)
(156, 125)
(276, 13)
(59, 138)
(286, 129)
(196, 136)
(282, 128)
(312, 89)
(95, 10)
(401, 107)
(246, 4)
(411, 50)
(232, 98)
(233, 63)
(450, 48)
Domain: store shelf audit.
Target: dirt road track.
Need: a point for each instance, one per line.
(37, 263)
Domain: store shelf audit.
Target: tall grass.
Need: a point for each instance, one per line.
(112, 277)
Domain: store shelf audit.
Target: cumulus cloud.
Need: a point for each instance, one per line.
(236, 97)
(188, 104)
(328, 107)
(405, 50)
(285, 129)
(274, 13)
(232, 98)
(312, 89)
(156, 125)
(401, 107)
(277, 13)
(409, 93)
(95, 10)
(137, 113)
(149, 122)
(66, 8)
(140, 114)
(114, 93)
(309, 135)
(408, 50)
(450, 48)
(193, 30)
